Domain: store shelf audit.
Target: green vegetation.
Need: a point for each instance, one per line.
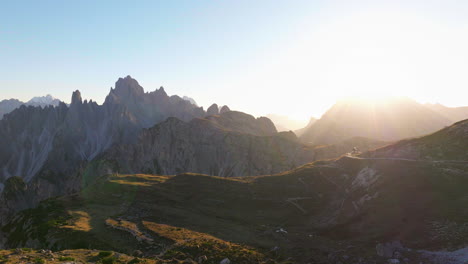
(14, 186)
(134, 261)
(108, 260)
(39, 261)
(62, 258)
(104, 254)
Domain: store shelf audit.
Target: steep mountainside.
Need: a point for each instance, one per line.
(217, 145)
(243, 123)
(388, 120)
(6, 106)
(450, 143)
(353, 209)
(453, 113)
(213, 146)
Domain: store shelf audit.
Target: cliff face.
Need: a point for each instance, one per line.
(206, 146)
(26, 139)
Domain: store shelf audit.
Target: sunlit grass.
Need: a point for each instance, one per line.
(80, 221)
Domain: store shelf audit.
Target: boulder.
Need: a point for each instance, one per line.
(225, 261)
(388, 250)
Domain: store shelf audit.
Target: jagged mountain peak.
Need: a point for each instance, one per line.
(76, 98)
(128, 87)
(42, 99)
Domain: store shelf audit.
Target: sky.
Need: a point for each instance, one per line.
(293, 58)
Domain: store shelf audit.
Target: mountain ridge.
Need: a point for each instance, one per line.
(7, 106)
(389, 120)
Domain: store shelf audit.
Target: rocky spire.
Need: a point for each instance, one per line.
(76, 98)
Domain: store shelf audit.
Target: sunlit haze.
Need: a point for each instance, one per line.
(293, 58)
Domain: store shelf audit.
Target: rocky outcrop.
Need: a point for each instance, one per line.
(191, 100)
(76, 98)
(389, 249)
(224, 109)
(244, 123)
(214, 147)
(212, 110)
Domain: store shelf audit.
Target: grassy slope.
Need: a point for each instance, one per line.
(244, 211)
(319, 205)
(450, 143)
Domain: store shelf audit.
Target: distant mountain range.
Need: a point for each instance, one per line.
(387, 120)
(6, 106)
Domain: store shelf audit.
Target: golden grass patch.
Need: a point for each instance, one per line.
(80, 221)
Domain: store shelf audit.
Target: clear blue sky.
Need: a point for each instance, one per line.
(256, 56)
